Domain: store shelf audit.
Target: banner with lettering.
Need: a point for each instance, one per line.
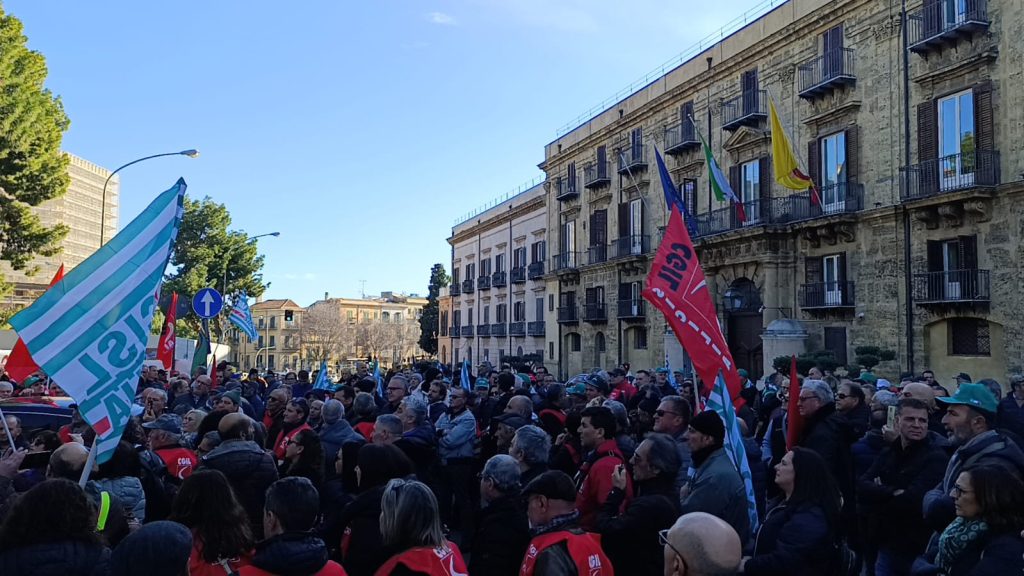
(677, 287)
(89, 331)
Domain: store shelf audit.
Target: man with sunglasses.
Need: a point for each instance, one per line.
(700, 544)
(673, 418)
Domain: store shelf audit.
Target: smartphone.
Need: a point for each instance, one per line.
(35, 460)
(891, 421)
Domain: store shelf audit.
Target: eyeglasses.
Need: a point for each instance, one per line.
(803, 399)
(663, 539)
(661, 413)
(842, 396)
(292, 443)
(958, 491)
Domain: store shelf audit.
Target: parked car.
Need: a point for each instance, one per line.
(39, 412)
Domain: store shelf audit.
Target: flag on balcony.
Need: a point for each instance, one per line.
(20, 364)
(672, 196)
(677, 287)
(720, 402)
(784, 164)
(719, 183)
(89, 331)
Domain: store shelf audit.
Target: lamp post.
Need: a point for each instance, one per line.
(191, 153)
(227, 260)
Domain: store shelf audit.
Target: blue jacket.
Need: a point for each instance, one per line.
(457, 435)
(793, 541)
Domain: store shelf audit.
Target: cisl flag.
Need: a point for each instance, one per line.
(89, 331)
(165, 349)
(676, 286)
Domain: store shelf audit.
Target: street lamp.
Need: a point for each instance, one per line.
(191, 153)
(227, 259)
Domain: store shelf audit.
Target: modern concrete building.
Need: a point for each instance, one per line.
(916, 243)
(79, 210)
(498, 298)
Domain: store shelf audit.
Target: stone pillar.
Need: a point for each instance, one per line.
(782, 337)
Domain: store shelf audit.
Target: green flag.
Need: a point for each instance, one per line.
(201, 352)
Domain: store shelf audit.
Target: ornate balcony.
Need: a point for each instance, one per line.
(632, 308)
(467, 331)
(535, 270)
(519, 275)
(680, 138)
(535, 328)
(568, 314)
(952, 287)
(517, 329)
(499, 279)
(595, 312)
(565, 262)
(827, 295)
(597, 174)
(467, 286)
(597, 254)
(483, 283)
(631, 246)
(455, 289)
(483, 330)
(632, 158)
(977, 169)
(565, 189)
(824, 74)
(939, 23)
(498, 330)
(747, 109)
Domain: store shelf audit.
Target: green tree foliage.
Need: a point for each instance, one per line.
(429, 319)
(32, 167)
(871, 356)
(202, 250)
(825, 360)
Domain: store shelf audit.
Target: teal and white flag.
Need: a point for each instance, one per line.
(89, 331)
(720, 402)
(242, 317)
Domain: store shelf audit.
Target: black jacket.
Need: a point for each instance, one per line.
(501, 538)
(291, 553)
(420, 445)
(250, 471)
(859, 420)
(827, 432)
(631, 539)
(895, 522)
(1003, 554)
(793, 541)
(361, 518)
(66, 558)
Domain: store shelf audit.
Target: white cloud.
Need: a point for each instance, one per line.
(309, 276)
(441, 19)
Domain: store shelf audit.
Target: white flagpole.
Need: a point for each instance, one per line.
(89, 463)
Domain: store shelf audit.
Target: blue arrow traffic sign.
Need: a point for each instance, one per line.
(207, 303)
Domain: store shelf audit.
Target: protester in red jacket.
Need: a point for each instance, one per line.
(295, 415)
(410, 522)
(594, 479)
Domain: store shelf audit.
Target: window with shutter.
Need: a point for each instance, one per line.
(602, 162)
(927, 176)
(686, 121)
(571, 177)
(599, 228)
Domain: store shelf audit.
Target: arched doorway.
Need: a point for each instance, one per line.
(744, 321)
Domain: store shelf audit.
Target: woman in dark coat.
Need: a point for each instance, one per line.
(51, 531)
(362, 550)
(798, 536)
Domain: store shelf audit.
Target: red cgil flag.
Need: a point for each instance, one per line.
(795, 422)
(165, 349)
(20, 364)
(678, 288)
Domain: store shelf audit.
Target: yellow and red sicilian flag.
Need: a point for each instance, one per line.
(787, 171)
(20, 364)
(165, 349)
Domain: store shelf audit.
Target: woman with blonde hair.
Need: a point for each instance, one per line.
(411, 524)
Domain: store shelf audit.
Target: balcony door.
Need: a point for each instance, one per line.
(751, 191)
(568, 258)
(636, 226)
(833, 172)
(954, 13)
(634, 295)
(956, 140)
(832, 270)
(951, 267)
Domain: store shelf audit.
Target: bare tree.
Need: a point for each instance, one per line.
(389, 339)
(325, 334)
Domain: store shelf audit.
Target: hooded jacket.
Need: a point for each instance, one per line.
(291, 554)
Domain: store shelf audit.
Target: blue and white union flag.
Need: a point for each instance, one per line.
(89, 331)
(242, 317)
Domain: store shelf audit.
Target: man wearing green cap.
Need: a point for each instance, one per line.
(970, 419)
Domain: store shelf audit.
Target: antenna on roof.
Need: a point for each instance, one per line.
(362, 288)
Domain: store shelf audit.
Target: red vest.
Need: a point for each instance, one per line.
(282, 440)
(584, 549)
(180, 461)
(366, 429)
(433, 561)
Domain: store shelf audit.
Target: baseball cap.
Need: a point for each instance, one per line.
(553, 484)
(661, 370)
(596, 381)
(977, 396)
(166, 422)
(965, 377)
(616, 372)
(577, 389)
(743, 373)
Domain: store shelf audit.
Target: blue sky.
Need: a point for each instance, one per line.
(359, 130)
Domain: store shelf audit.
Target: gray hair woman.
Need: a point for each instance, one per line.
(410, 523)
(189, 426)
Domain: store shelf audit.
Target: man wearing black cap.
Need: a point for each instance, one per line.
(162, 437)
(559, 546)
(716, 486)
(622, 389)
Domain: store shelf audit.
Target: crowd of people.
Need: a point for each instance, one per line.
(510, 471)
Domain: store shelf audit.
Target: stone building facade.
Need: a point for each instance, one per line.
(914, 245)
(497, 301)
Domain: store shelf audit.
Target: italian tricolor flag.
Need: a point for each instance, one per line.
(719, 183)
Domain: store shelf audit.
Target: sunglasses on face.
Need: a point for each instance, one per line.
(661, 413)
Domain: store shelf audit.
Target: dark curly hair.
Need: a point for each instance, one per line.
(54, 510)
(207, 506)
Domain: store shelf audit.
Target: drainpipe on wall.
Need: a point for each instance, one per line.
(907, 279)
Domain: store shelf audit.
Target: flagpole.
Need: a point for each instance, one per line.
(89, 463)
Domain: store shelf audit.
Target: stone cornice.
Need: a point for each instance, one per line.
(498, 220)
